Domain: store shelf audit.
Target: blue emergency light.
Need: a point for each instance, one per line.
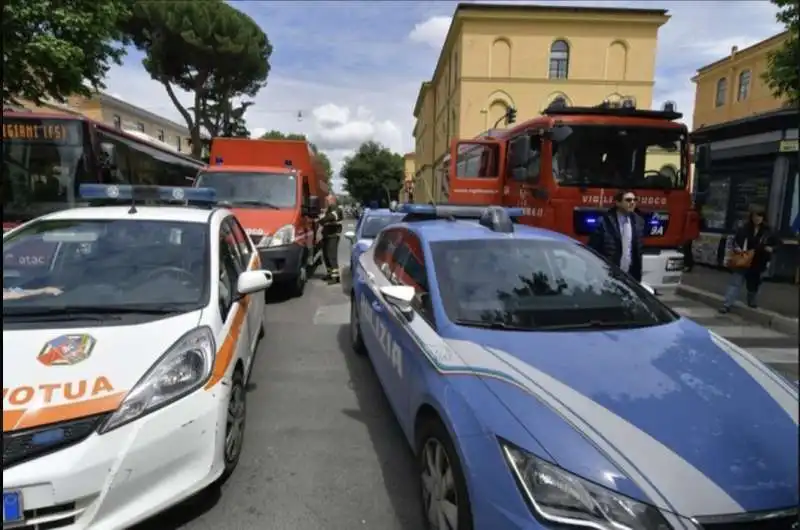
(445, 211)
(131, 194)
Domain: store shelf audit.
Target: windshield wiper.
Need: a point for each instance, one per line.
(250, 202)
(594, 324)
(489, 324)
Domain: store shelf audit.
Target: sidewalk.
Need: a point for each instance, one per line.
(779, 303)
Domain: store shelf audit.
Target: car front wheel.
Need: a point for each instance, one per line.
(356, 340)
(445, 500)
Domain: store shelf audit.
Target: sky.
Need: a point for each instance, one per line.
(346, 72)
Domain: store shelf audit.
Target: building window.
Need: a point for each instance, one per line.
(140, 126)
(117, 122)
(744, 85)
(722, 90)
(161, 134)
(559, 60)
(178, 142)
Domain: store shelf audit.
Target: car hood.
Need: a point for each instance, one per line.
(699, 425)
(264, 221)
(58, 375)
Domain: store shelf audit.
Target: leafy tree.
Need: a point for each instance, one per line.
(205, 47)
(50, 49)
(783, 69)
(373, 173)
(322, 157)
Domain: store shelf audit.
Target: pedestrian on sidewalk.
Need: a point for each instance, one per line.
(331, 223)
(748, 258)
(618, 236)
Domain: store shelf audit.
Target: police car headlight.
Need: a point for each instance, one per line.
(185, 367)
(562, 498)
(282, 236)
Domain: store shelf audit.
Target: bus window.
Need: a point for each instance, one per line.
(42, 165)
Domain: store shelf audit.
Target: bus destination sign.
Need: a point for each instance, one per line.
(37, 130)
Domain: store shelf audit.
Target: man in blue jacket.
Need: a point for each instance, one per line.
(619, 234)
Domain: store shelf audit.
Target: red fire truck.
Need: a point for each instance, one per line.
(565, 166)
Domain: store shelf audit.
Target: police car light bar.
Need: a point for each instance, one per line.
(451, 210)
(129, 194)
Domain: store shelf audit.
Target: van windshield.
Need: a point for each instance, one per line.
(621, 157)
(271, 190)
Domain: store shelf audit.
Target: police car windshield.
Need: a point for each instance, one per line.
(126, 264)
(375, 223)
(539, 285)
(271, 190)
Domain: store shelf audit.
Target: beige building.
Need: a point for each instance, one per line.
(731, 88)
(115, 112)
(499, 56)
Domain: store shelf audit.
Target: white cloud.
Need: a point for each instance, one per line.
(431, 32)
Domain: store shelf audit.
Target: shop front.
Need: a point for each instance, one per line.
(746, 162)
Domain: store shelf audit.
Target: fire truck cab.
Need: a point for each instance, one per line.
(565, 166)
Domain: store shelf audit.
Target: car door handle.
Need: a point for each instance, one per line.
(377, 307)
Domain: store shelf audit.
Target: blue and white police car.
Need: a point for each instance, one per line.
(541, 387)
(127, 343)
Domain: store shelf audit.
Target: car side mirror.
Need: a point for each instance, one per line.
(253, 281)
(399, 296)
(648, 288)
(350, 236)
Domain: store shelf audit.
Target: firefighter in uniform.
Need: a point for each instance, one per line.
(331, 222)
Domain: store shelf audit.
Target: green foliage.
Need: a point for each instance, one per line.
(783, 70)
(373, 173)
(205, 47)
(322, 157)
(51, 48)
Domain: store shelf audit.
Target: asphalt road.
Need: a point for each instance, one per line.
(322, 448)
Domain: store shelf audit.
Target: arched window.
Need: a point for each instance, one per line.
(722, 91)
(744, 85)
(559, 60)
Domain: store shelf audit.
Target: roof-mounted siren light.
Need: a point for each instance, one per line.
(628, 102)
(288, 164)
(670, 106)
(558, 103)
(218, 160)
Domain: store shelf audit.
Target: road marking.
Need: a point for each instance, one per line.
(737, 332)
(333, 315)
(775, 355)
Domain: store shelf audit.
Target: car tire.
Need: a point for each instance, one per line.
(237, 412)
(356, 340)
(438, 498)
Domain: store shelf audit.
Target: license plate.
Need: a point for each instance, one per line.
(12, 507)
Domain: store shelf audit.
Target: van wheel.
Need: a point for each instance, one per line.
(298, 287)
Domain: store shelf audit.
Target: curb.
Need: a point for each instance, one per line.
(759, 316)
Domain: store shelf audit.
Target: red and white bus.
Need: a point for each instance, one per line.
(47, 156)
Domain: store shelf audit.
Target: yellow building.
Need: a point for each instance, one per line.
(731, 88)
(113, 111)
(498, 56)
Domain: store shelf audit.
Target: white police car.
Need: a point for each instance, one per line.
(127, 344)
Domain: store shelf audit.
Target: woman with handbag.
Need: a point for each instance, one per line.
(751, 251)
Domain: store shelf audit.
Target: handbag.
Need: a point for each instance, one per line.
(741, 259)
